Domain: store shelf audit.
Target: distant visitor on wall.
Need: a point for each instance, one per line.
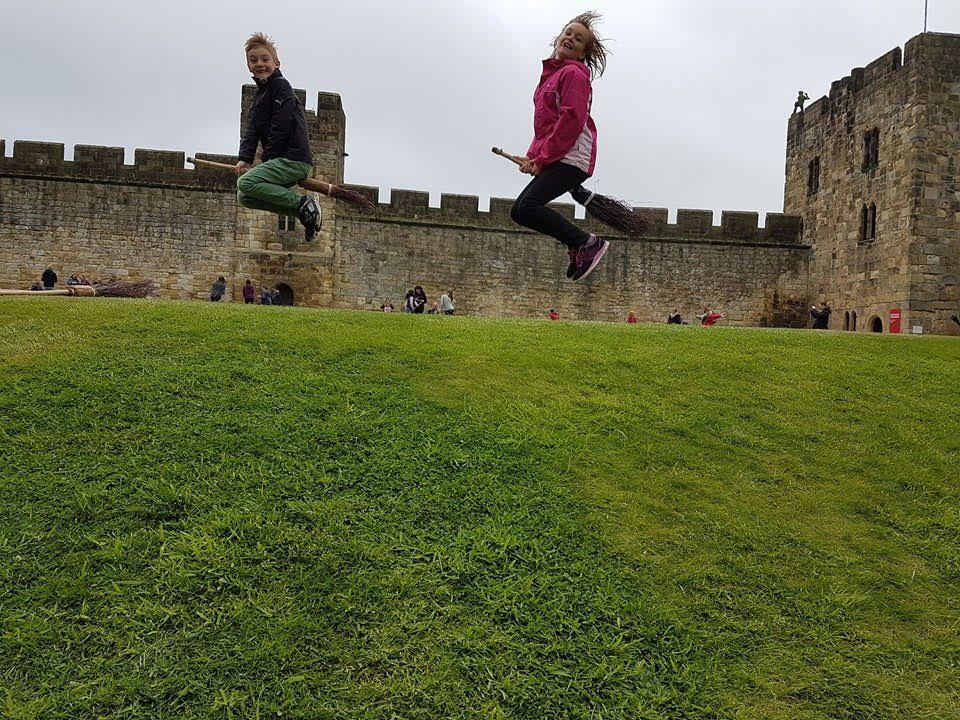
(821, 316)
(218, 290)
(802, 98)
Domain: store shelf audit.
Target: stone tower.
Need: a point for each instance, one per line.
(872, 169)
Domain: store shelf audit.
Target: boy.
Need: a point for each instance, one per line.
(278, 123)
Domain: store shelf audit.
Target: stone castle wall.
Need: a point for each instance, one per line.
(95, 216)
(896, 94)
(754, 276)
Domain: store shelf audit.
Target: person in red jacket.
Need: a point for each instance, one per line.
(248, 292)
(564, 148)
(632, 318)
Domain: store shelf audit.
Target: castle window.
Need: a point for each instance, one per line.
(813, 180)
(853, 321)
(286, 223)
(871, 149)
(864, 224)
(846, 320)
(873, 221)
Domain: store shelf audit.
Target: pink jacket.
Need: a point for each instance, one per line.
(562, 126)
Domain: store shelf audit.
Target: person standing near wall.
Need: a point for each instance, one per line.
(48, 279)
(248, 292)
(218, 290)
(446, 303)
(821, 317)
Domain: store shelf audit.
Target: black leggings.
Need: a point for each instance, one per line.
(531, 211)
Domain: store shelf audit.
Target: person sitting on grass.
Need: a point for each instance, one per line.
(218, 290)
(249, 294)
(386, 306)
(277, 122)
(709, 318)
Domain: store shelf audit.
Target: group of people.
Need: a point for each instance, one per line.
(49, 278)
(268, 296)
(415, 301)
(707, 318)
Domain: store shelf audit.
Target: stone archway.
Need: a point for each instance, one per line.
(286, 294)
(876, 324)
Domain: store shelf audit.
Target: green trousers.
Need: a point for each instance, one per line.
(267, 186)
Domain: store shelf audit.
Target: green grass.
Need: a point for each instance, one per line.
(243, 512)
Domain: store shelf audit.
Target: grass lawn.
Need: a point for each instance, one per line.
(260, 512)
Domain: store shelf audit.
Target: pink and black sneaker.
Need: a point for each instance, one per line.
(588, 256)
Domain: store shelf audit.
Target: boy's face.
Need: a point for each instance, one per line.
(260, 62)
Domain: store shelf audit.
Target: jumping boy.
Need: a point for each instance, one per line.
(278, 123)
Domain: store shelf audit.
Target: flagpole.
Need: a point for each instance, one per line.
(926, 8)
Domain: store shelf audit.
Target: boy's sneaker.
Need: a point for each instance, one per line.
(572, 267)
(589, 256)
(310, 217)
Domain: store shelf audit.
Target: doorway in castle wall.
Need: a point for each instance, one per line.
(853, 321)
(286, 294)
(876, 325)
(846, 320)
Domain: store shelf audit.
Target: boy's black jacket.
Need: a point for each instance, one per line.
(277, 122)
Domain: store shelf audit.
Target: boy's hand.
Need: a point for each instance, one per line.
(242, 167)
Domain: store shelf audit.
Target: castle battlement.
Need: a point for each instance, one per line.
(165, 168)
(464, 210)
(95, 163)
(891, 67)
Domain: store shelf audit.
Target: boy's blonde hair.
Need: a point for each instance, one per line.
(261, 39)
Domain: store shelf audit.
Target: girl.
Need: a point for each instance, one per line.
(564, 148)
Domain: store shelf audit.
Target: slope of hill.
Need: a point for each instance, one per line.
(230, 511)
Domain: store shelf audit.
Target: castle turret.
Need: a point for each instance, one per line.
(871, 168)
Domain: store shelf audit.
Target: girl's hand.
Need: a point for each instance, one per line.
(241, 167)
(529, 167)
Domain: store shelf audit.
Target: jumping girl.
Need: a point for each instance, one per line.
(564, 148)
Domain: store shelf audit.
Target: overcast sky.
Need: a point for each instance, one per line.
(691, 112)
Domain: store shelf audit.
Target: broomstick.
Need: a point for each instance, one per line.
(337, 192)
(611, 212)
(138, 289)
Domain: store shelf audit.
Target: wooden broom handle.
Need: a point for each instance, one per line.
(309, 183)
(508, 156)
(76, 290)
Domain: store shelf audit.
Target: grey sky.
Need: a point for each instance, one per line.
(691, 112)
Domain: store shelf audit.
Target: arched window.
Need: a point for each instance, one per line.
(873, 221)
(846, 320)
(864, 224)
(286, 294)
(876, 325)
(853, 321)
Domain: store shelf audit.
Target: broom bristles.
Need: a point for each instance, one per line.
(358, 200)
(613, 213)
(136, 289)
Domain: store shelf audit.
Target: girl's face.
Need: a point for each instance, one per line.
(572, 43)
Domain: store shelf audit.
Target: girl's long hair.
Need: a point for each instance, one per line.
(595, 56)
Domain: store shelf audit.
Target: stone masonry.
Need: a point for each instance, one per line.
(886, 137)
(182, 227)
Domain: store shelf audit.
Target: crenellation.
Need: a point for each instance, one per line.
(158, 160)
(98, 156)
(740, 225)
(414, 203)
(696, 222)
(38, 153)
(460, 204)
